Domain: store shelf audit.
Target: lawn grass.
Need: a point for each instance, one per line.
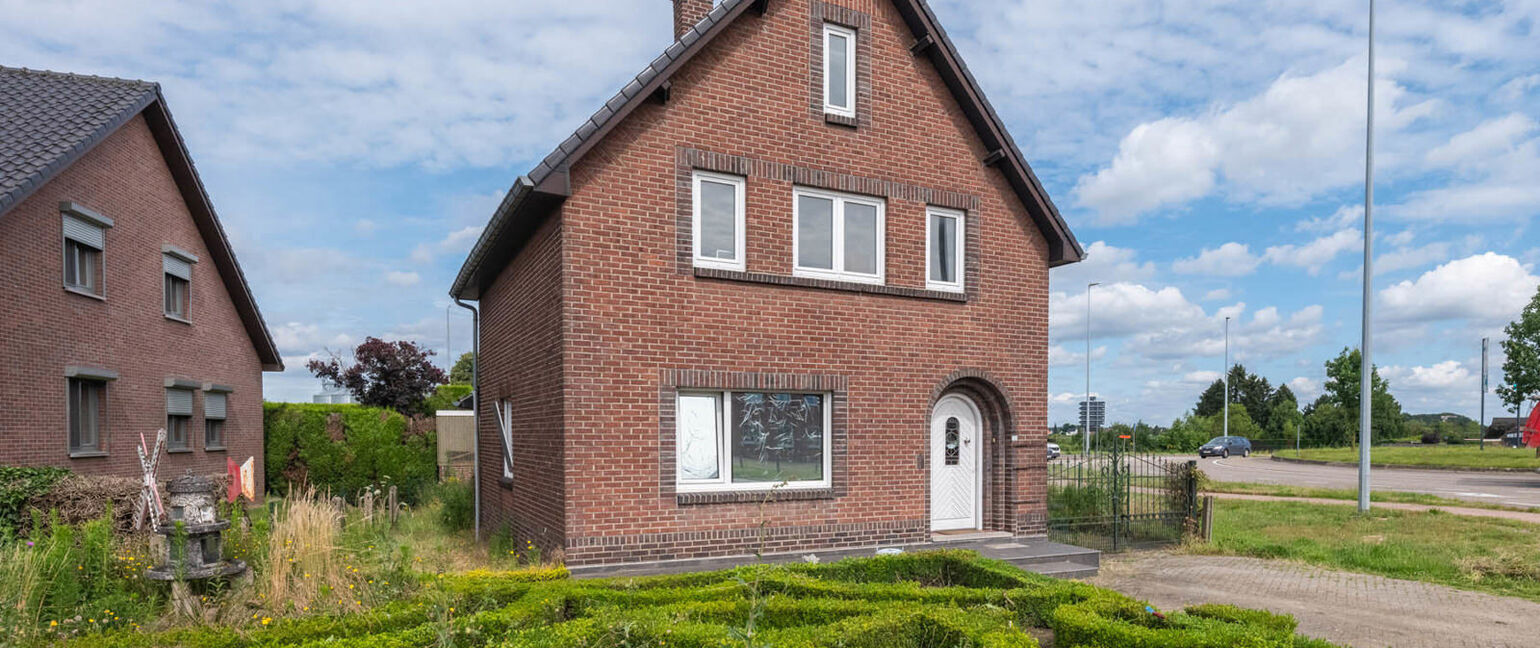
(1398, 497)
(1456, 456)
(1483, 554)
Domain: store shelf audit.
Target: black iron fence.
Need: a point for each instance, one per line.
(1117, 500)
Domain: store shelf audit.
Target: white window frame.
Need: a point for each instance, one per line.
(724, 480)
(838, 273)
(959, 266)
(740, 261)
(830, 30)
(503, 409)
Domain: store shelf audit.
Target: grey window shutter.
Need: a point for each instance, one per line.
(84, 232)
(213, 406)
(177, 267)
(179, 402)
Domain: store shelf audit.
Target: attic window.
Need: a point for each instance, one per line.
(839, 70)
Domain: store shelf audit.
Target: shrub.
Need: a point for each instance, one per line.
(18, 485)
(457, 505)
(70, 580)
(445, 397)
(1430, 437)
(344, 449)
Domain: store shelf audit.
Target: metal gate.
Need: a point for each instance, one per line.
(1117, 500)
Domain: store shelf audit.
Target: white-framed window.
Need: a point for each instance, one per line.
(718, 221)
(752, 440)
(944, 249)
(839, 70)
(838, 236)
(504, 411)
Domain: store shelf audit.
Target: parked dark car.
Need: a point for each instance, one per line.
(1053, 451)
(1225, 446)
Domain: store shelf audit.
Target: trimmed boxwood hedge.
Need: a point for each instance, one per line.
(344, 449)
(923, 600)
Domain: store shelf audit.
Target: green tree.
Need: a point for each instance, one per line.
(1342, 391)
(1212, 401)
(462, 372)
(1521, 369)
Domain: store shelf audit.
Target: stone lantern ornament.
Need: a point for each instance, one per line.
(193, 504)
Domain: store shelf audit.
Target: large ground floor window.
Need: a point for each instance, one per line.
(744, 440)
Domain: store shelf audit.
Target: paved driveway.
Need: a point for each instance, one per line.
(1351, 609)
(1508, 489)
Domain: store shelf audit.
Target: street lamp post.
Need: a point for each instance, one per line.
(1365, 397)
(1085, 416)
(1227, 376)
(1481, 425)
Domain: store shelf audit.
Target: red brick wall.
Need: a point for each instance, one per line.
(635, 312)
(521, 350)
(43, 328)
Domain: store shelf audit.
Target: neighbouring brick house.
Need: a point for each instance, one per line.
(800, 247)
(122, 307)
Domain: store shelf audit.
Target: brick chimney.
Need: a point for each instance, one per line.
(687, 13)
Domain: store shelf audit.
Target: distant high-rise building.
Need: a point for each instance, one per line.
(1098, 414)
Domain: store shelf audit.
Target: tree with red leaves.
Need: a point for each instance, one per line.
(397, 375)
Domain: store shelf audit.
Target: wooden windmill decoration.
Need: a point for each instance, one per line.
(150, 506)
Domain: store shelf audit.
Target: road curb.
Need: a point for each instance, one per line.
(1317, 462)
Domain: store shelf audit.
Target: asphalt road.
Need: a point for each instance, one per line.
(1507, 489)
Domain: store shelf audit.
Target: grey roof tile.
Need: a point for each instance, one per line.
(48, 119)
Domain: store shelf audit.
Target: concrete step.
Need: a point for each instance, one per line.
(1062, 569)
(1042, 552)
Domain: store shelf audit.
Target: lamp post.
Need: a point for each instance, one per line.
(1481, 425)
(1227, 376)
(1365, 396)
(1085, 416)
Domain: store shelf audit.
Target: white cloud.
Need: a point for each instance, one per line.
(1487, 289)
(456, 242)
(365, 227)
(1120, 310)
(300, 336)
(1345, 217)
(1444, 386)
(1201, 377)
(1060, 355)
(1285, 145)
(1103, 263)
(1217, 294)
(1315, 254)
(1228, 260)
(403, 279)
(1305, 389)
(1482, 142)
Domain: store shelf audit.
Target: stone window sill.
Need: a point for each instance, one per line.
(219, 448)
(829, 284)
(753, 497)
(87, 454)
(179, 451)
(178, 319)
(840, 120)
(84, 293)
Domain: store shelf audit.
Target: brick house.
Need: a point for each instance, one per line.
(122, 307)
(799, 249)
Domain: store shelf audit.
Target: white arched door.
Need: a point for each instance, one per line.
(955, 451)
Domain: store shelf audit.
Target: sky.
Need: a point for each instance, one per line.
(1208, 154)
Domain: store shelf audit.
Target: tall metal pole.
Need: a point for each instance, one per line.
(1365, 396)
(1085, 417)
(1481, 425)
(1227, 376)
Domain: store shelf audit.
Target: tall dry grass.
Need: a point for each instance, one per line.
(308, 568)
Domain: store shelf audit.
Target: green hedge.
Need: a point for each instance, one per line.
(345, 449)
(18, 485)
(922, 600)
(444, 397)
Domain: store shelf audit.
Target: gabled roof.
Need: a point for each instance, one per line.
(48, 120)
(549, 182)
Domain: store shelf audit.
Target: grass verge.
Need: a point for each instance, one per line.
(1443, 456)
(1483, 554)
(1398, 497)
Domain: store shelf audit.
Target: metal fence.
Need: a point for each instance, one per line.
(1118, 500)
